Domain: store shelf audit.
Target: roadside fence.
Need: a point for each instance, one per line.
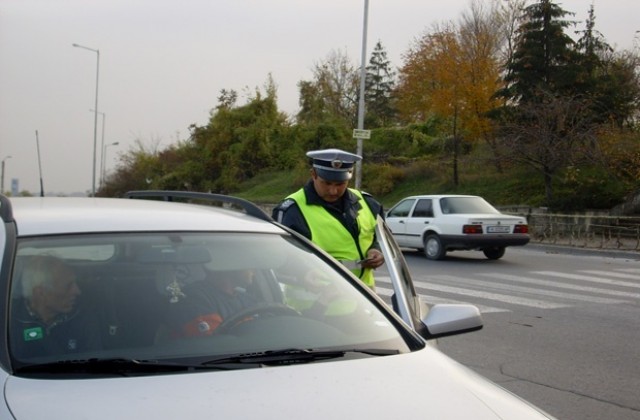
(589, 230)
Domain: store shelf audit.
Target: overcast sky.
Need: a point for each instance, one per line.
(164, 62)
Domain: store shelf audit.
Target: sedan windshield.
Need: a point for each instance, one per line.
(184, 298)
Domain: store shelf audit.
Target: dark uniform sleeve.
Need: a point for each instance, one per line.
(288, 214)
(374, 205)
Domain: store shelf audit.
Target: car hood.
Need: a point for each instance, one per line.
(398, 386)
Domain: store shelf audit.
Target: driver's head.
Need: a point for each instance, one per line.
(49, 286)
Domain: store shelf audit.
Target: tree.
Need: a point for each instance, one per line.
(332, 95)
(545, 115)
(452, 72)
(481, 40)
(239, 142)
(432, 83)
(379, 86)
(138, 169)
(507, 15)
(559, 93)
(544, 58)
(608, 79)
(547, 134)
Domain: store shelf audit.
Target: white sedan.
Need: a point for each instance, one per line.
(437, 224)
(190, 311)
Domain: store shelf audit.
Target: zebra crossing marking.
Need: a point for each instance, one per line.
(531, 290)
(587, 278)
(539, 282)
(432, 283)
(613, 274)
(434, 300)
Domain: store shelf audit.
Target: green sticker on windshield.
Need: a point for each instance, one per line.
(31, 334)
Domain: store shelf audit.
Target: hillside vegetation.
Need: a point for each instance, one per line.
(515, 186)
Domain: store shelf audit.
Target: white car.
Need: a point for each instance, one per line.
(437, 224)
(312, 341)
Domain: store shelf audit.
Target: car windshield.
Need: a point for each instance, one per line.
(186, 296)
(466, 205)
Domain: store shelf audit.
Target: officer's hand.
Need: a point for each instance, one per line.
(374, 259)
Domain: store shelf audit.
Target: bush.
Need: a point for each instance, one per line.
(381, 179)
(586, 188)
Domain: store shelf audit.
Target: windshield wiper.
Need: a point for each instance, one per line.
(294, 355)
(114, 366)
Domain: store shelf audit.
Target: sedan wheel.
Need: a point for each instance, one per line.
(494, 253)
(433, 248)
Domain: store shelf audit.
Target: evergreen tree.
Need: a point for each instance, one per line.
(379, 85)
(546, 118)
(609, 80)
(544, 60)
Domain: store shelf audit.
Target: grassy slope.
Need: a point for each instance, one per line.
(512, 187)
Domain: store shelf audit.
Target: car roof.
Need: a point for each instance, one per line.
(440, 196)
(59, 215)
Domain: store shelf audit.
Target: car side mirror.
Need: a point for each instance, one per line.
(450, 319)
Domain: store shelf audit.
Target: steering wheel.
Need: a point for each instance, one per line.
(254, 312)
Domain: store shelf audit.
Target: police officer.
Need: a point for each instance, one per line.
(338, 219)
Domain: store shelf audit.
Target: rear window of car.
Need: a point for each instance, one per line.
(466, 205)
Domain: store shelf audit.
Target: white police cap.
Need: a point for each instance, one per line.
(333, 164)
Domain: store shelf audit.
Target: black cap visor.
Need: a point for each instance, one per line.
(334, 175)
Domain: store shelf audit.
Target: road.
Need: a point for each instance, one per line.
(561, 329)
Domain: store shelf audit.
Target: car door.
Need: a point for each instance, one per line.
(418, 221)
(406, 301)
(430, 322)
(396, 220)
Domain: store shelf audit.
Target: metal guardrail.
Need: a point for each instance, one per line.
(595, 231)
(591, 231)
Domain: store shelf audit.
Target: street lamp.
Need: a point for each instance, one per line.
(95, 120)
(5, 158)
(104, 160)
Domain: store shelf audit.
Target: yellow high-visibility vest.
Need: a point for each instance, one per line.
(329, 234)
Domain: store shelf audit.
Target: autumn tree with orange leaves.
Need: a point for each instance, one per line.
(451, 73)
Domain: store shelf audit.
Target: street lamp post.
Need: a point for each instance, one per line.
(5, 158)
(104, 116)
(95, 120)
(104, 160)
(363, 75)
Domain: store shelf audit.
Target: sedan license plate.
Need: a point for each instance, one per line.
(498, 229)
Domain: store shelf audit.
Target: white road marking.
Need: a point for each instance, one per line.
(536, 291)
(588, 289)
(433, 300)
(587, 278)
(612, 278)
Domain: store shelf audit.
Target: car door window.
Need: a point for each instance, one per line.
(424, 208)
(402, 209)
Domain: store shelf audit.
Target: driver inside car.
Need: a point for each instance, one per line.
(207, 303)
